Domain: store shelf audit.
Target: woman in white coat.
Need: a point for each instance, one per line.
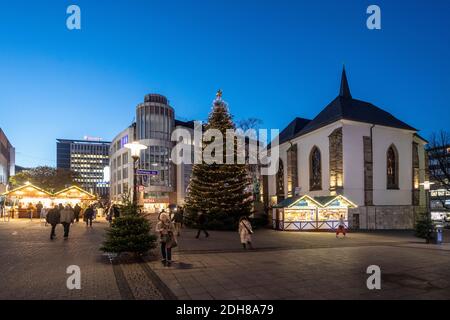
(245, 232)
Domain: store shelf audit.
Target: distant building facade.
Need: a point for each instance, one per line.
(354, 149)
(439, 160)
(155, 122)
(88, 158)
(7, 161)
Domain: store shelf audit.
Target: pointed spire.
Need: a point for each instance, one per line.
(345, 90)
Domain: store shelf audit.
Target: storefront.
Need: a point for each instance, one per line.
(155, 202)
(311, 214)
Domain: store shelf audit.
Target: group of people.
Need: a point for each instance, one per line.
(169, 227)
(66, 216)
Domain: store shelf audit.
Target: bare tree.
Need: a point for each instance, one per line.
(250, 123)
(439, 155)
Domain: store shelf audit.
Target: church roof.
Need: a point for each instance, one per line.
(345, 107)
(293, 129)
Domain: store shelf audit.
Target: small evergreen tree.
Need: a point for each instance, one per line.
(130, 232)
(222, 191)
(424, 227)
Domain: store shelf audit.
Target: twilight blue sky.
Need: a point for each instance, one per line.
(273, 59)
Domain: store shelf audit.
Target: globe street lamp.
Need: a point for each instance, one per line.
(135, 148)
(427, 186)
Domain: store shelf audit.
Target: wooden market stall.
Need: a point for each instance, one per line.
(74, 195)
(306, 213)
(23, 201)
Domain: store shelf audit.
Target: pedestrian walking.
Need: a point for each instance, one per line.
(77, 211)
(245, 232)
(341, 227)
(166, 231)
(178, 220)
(39, 208)
(53, 219)
(67, 217)
(201, 222)
(89, 216)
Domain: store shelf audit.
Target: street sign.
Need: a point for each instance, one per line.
(147, 172)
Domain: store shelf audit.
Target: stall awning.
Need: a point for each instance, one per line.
(74, 192)
(28, 191)
(320, 202)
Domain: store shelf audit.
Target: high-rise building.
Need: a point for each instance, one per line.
(89, 158)
(7, 161)
(155, 122)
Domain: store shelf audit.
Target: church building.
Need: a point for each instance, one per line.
(353, 160)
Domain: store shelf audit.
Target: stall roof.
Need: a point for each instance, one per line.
(74, 192)
(290, 202)
(323, 201)
(27, 190)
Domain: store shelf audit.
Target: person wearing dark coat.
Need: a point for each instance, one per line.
(77, 211)
(116, 212)
(53, 218)
(39, 208)
(201, 222)
(89, 216)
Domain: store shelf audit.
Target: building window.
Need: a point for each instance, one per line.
(315, 170)
(280, 181)
(416, 175)
(292, 172)
(392, 168)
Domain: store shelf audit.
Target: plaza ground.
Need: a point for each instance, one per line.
(283, 266)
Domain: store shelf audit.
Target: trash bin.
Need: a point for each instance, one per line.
(438, 234)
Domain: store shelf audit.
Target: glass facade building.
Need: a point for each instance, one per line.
(87, 158)
(155, 122)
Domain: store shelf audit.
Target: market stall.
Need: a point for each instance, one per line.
(74, 195)
(311, 214)
(22, 201)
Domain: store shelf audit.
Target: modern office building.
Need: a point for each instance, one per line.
(7, 161)
(155, 122)
(89, 158)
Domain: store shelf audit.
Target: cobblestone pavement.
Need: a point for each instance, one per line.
(283, 266)
(33, 267)
(307, 266)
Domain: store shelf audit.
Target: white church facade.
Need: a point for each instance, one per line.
(354, 150)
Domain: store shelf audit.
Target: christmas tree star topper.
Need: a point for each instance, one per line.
(219, 94)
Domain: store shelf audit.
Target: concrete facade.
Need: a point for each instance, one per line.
(7, 161)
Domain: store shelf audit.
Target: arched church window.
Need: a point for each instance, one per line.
(315, 171)
(280, 181)
(292, 171)
(392, 168)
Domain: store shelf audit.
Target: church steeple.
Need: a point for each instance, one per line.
(345, 90)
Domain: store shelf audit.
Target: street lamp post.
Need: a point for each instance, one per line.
(427, 186)
(135, 148)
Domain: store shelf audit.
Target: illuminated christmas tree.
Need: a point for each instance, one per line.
(222, 191)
